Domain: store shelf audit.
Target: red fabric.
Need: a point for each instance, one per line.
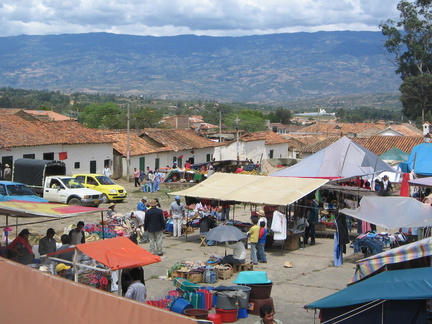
(404, 190)
(180, 157)
(21, 240)
(261, 233)
(63, 156)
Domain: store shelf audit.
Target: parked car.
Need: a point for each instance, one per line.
(10, 190)
(99, 182)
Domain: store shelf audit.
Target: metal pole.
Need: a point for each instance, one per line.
(128, 143)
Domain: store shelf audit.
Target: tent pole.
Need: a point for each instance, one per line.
(102, 223)
(75, 261)
(119, 282)
(7, 233)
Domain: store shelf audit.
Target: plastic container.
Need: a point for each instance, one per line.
(196, 313)
(225, 302)
(252, 277)
(261, 291)
(215, 318)
(257, 303)
(227, 315)
(242, 313)
(243, 302)
(180, 305)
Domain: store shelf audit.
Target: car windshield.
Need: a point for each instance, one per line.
(72, 183)
(19, 190)
(103, 180)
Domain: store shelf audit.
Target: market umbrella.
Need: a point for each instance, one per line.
(225, 233)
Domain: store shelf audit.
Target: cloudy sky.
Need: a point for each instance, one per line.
(199, 17)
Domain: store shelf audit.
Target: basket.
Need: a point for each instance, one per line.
(224, 271)
(195, 277)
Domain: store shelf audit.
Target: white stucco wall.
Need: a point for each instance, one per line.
(255, 150)
(83, 154)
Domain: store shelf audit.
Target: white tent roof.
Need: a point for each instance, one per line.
(392, 212)
(252, 189)
(342, 159)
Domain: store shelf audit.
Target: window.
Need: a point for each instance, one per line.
(208, 157)
(48, 156)
(28, 156)
(92, 166)
(157, 163)
(271, 154)
(76, 165)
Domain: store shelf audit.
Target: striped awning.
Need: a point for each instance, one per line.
(412, 251)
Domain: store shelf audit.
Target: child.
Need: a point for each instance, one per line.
(261, 243)
(254, 236)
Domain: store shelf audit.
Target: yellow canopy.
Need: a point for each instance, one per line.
(253, 189)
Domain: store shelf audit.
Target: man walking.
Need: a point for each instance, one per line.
(177, 212)
(154, 224)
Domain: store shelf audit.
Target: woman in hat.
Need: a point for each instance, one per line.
(7, 174)
(21, 249)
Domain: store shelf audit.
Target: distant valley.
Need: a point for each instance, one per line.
(268, 68)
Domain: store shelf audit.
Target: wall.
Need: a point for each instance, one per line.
(83, 153)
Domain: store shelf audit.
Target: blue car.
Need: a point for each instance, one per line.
(17, 191)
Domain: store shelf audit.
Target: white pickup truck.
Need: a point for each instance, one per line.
(67, 190)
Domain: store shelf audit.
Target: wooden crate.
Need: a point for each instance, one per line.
(248, 266)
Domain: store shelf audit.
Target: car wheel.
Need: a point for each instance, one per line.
(75, 202)
(105, 199)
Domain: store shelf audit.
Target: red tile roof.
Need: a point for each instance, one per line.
(176, 139)
(17, 132)
(269, 137)
(382, 144)
(318, 146)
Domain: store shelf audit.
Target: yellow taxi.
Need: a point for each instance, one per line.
(99, 182)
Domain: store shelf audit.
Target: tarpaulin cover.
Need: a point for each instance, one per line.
(420, 160)
(31, 296)
(342, 159)
(422, 182)
(412, 251)
(409, 284)
(18, 208)
(252, 189)
(392, 212)
(395, 154)
(118, 253)
(32, 172)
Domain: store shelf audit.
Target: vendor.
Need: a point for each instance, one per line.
(20, 249)
(111, 211)
(239, 253)
(206, 224)
(61, 269)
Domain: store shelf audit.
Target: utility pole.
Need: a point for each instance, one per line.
(237, 120)
(128, 143)
(220, 129)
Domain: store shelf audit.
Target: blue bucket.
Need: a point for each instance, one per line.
(242, 313)
(180, 305)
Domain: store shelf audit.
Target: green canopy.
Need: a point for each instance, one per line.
(395, 155)
(408, 284)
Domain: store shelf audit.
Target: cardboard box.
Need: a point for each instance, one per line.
(292, 243)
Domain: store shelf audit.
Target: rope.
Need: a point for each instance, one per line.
(356, 311)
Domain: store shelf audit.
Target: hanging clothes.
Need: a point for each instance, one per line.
(279, 226)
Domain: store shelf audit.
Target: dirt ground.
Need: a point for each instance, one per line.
(312, 276)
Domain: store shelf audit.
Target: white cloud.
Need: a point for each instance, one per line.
(201, 17)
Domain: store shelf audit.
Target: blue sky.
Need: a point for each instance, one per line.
(199, 17)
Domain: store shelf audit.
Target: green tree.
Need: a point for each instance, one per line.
(250, 121)
(145, 118)
(416, 96)
(285, 115)
(107, 115)
(409, 40)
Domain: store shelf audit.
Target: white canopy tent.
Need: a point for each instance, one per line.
(392, 212)
(252, 189)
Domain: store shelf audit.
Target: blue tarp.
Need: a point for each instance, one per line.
(409, 284)
(420, 160)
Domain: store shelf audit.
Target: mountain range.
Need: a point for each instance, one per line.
(266, 68)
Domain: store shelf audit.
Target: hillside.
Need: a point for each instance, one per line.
(268, 68)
